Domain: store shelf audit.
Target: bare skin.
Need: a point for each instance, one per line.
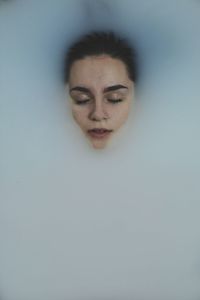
(101, 94)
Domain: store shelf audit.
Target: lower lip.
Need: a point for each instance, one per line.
(97, 135)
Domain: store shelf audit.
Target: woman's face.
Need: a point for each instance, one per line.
(101, 95)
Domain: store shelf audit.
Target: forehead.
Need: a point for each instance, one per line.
(98, 70)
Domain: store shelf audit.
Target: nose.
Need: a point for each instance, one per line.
(98, 112)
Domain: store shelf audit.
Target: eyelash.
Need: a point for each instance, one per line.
(110, 100)
(115, 101)
(82, 102)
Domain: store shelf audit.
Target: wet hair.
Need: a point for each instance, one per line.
(98, 43)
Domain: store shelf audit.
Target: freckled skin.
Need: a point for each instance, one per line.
(97, 73)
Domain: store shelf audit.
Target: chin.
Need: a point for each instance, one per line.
(99, 146)
(99, 143)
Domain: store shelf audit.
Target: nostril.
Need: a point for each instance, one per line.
(97, 114)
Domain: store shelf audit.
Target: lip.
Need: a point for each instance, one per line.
(99, 133)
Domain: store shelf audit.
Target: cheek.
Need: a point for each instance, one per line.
(79, 115)
(120, 114)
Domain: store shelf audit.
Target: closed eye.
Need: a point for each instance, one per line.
(115, 100)
(81, 102)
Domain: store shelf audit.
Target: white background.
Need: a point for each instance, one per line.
(119, 223)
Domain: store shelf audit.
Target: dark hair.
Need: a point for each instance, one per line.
(100, 42)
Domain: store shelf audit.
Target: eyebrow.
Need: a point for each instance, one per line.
(108, 89)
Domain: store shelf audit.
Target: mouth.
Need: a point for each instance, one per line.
(99, 133)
